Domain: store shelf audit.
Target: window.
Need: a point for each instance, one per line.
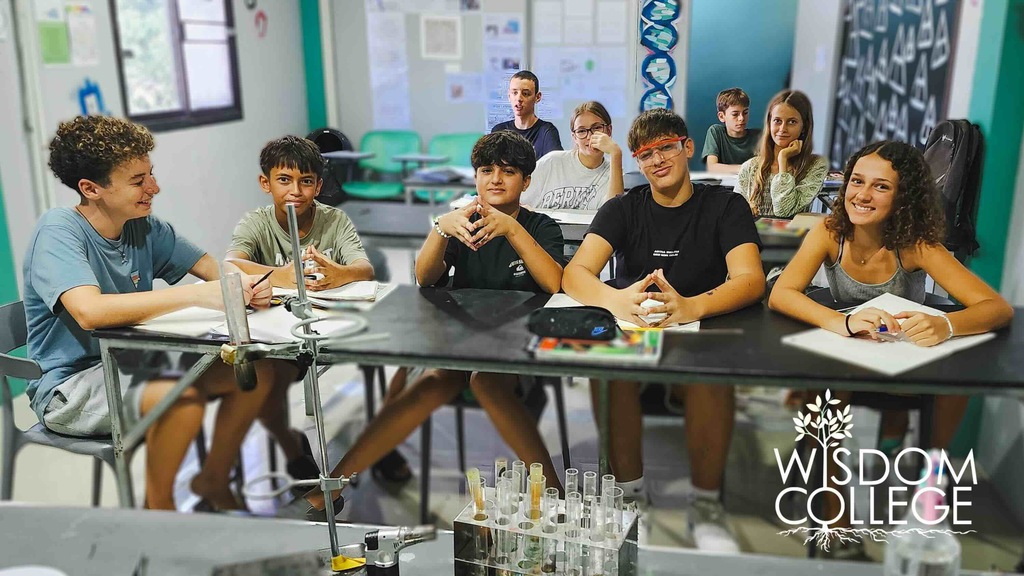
(178, 62)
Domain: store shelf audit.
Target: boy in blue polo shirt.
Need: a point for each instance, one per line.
(92, 266)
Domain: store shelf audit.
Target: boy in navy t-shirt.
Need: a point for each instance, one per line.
(492, 243)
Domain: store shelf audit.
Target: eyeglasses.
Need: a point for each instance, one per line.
(668, 148)
(582, 133)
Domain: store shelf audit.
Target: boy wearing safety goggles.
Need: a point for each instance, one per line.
(693, 249)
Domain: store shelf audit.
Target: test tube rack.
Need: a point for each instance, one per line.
(524, 545)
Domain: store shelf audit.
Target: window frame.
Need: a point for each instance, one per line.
(185, 117)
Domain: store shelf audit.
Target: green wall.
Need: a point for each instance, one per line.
(996, 98)
(8, 279)
(313, 57)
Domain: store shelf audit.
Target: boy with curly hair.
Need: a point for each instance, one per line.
(91, 267)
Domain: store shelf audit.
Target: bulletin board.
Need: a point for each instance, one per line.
(894, 74)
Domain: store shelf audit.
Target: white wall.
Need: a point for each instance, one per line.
(208, 174)
(815, 60)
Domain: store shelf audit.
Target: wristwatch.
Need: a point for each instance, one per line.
(437, 228)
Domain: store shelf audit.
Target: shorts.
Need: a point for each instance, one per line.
(79, 405)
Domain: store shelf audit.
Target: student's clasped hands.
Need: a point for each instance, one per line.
(678, 309)
(492, 224)
(331, 271)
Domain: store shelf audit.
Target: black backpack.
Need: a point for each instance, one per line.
(953, 152)
(335, 172)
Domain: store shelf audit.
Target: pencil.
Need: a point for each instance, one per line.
(265, 276)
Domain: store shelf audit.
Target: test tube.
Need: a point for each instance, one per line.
(597, 519)
(504, 496)
(572, 476)
(537, 485)
(511, 503)
(573, 513)
(475, 487)
(612, 500)
(589, 491)
(606, 481)
(500, 465)
(519, 467)
(549, 510)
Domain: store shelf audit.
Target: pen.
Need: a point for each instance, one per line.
(265, 276)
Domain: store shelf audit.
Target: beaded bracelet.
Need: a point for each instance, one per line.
(950, 325)
(437, 228)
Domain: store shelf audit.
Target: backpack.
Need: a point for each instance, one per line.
(335, 172)
(954, 152)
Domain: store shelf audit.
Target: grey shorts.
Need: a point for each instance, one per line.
(79, 404)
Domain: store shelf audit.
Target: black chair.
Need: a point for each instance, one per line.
(336, 172)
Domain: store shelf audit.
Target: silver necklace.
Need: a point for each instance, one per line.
(115, 244)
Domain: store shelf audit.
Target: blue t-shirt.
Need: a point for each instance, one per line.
(66, 252)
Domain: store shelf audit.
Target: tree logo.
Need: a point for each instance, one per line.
(827, 425)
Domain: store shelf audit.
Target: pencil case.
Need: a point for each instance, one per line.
(578, 322)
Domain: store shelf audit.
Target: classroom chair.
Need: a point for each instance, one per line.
(385, 144)
(14, 335)
(457, 147)
(535, 400)
(336, 172)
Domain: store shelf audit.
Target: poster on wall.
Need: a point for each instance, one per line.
(659, 36)
(389, 70)
(82, 34)
(894, 72)
(440, 37)
(52, 28)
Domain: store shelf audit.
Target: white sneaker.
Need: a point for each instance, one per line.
(641, 507)
(708, 527)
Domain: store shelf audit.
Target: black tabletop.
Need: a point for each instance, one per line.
(486, 329)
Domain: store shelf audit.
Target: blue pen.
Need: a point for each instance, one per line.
(886, 336)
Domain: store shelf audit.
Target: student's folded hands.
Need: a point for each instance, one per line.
(924, 329)
(627, 301)
(492, 224)
(457, 225)
(324, 274)
(679, 309)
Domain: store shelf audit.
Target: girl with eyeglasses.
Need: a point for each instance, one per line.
(782, 179)
(585, 176)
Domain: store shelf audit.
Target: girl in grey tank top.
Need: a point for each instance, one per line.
(902, 283)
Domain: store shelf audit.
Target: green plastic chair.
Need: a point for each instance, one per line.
(385, 144)
(457, 147)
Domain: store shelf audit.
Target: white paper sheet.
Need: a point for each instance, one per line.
(389, 70)
(888, 358)
(273, 325)
(547, 22)
(611, 22)
(192, 321)
(565, 301)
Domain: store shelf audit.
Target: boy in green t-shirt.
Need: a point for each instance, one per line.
(729, 144)
(331, 250)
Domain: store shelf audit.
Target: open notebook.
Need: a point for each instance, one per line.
(888, 358)
(363, 290)
(564, 301)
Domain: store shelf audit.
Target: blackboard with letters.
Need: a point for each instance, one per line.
(894, 72)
